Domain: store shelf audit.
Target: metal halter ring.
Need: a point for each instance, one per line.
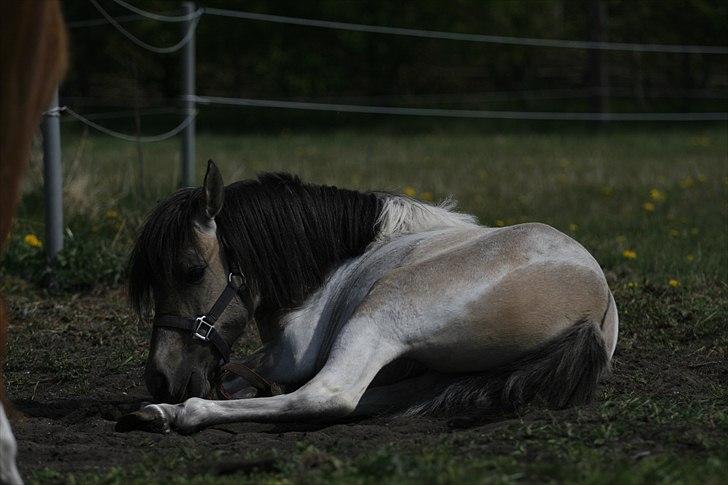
(205, 334)
(232, 275)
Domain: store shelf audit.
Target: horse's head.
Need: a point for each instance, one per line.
(179, 270)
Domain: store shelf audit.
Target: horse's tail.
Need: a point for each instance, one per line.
(564, 372)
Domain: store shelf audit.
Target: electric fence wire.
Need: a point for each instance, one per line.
(159, 50)
(119, 135)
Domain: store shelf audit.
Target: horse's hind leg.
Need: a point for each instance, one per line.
(357, 355)
(401, 395)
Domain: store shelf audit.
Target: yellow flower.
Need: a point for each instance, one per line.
(426, 196)
(648, 207)
(410, 191)
(701, 141)
(573, 227)
(112, 214)
(673, 282)
(689, 258)
(629, 254)
(674, 233)
(657, 195)
(32, 241)
(687, 182)
(632, 284)
(499, 223)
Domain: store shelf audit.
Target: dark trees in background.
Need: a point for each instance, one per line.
(597, 73)
(258, 59)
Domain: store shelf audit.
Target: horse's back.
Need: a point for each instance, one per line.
(467, 300)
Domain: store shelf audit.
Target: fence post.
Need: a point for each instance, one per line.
(188, 93)
(52, 180)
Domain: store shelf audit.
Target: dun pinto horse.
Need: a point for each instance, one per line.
(367, 303)
(32, 61)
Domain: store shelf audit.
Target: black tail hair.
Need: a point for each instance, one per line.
(564, 372)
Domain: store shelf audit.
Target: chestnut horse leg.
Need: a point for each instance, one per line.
(32, 62)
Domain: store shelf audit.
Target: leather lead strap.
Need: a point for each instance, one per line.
(265, 387)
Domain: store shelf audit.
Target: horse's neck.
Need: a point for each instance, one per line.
(397, 216)
(306, 334)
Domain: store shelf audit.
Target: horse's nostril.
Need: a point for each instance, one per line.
(158, 385)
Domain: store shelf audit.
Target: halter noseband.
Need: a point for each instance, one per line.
(203, 326)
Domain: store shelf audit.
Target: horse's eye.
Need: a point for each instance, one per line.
(194, 275)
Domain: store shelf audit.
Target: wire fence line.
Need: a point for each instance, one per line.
(136, 40)
(461, 113)
(492, 39)
(401, 31)
(76, 24)
(119, 135)
(111, 115)
(162, 18)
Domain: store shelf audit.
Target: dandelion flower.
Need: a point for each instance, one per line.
(410, 191)
(573, 227)
(32, 241)
(632, 284)
(499, 223)
(648, 207)
(689, 258)
(687, 182)
(657, 195)
(674, 283)
(629, 254)
(426, 196)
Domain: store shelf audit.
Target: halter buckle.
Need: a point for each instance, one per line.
(201, 332)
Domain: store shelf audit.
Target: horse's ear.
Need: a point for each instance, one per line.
(214, 190)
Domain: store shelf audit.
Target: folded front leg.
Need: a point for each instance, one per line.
(335, 391)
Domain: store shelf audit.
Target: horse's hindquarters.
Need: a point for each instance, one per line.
(493, 297)
(524, 310)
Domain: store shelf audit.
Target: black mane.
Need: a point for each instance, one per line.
(167, 232)
(285, 235)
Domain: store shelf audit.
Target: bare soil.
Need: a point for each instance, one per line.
(75, 364)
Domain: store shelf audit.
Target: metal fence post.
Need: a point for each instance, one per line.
(188, 93)
(52, 180)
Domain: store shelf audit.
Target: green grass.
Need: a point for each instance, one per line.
(650, 204)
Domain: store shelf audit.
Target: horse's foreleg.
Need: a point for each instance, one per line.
(356, 357)
(8, 471)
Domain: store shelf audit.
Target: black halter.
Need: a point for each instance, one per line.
(203, 327)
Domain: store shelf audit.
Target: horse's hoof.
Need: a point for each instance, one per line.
(149, 418)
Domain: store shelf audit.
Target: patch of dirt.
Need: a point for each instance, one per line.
(74, 367)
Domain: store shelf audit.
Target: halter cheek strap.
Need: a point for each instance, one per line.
(203, 326)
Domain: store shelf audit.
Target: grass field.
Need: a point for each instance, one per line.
(651, 204)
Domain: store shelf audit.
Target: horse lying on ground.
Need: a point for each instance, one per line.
(367, 303)
(32, 62)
